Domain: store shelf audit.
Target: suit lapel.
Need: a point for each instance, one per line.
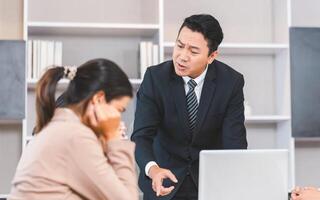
(179, 96)
(207, 94)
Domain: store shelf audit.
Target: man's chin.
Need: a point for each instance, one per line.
(181, 73)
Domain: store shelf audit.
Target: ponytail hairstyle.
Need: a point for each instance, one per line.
(89, 78)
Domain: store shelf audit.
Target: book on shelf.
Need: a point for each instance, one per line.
(41, 55)
(58, 53)
(155, 54)
(143, 58)
(149, 55)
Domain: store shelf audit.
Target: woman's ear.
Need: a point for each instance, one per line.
(98, 97)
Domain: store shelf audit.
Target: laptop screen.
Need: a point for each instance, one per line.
(243, 174)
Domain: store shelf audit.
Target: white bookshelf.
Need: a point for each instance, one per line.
(255, 43)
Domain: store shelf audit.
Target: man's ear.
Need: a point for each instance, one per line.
(98, 97)
(212, 56)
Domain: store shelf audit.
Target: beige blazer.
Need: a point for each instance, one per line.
(66, 161)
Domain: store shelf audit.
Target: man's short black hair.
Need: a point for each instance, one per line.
(208, 26)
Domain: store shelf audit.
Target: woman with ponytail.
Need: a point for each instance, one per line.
(78, 151)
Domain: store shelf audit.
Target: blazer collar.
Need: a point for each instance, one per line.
(179, 98)
(207, 94)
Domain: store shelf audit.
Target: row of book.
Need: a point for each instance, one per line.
(41, 55)
(149, 55)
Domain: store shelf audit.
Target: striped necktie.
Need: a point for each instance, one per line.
(192, 104)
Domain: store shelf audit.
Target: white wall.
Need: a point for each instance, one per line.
(305, 13)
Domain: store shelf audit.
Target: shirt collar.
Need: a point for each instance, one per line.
(199, 79)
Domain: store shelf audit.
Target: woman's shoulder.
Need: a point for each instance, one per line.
(71, 129)
(67, 120)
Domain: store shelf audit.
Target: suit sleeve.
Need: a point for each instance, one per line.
(147, 120)
(97, 176)
(233, 130)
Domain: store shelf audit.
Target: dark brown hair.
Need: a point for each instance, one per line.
(91, 77)
(208, 26)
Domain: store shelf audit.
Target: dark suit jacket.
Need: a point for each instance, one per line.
(161, 129)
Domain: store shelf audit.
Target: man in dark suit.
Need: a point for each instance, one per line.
(190, 103)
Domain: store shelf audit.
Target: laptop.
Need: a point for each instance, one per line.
(243, 175)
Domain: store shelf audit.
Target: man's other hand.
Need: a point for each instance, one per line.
(157, 175)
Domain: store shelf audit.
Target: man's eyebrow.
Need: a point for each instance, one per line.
(180, 42)
(192, 47)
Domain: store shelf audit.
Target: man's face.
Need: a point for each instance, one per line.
(190, 54)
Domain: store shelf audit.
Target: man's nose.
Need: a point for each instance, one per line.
(184, 57)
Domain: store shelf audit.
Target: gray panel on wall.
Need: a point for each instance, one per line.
(305, 81)
(12, 80)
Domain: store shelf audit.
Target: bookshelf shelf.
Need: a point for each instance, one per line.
(242, 48)
(135, 81)
(266, 118)
(33, 82)
(67, 28)
(3, 196)
(64, 82)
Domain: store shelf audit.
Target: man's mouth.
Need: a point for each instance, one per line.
(182, 67)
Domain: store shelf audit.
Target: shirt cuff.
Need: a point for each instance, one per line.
(148, 166)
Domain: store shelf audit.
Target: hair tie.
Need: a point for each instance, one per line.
(70, 72)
